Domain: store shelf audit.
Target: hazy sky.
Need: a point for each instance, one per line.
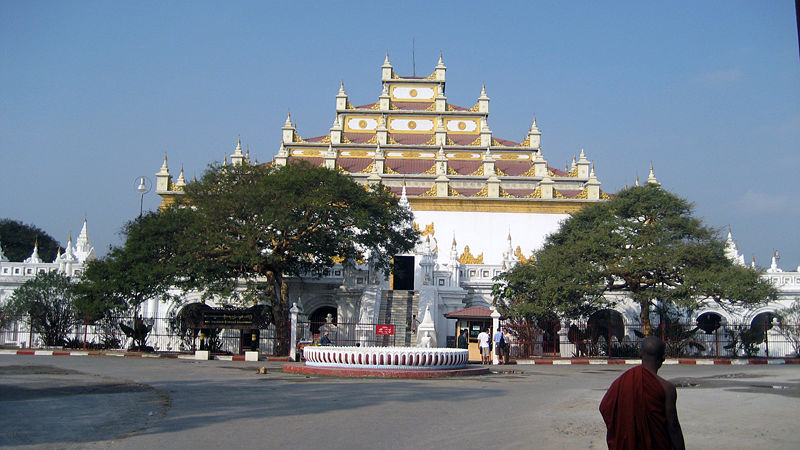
(92, 94)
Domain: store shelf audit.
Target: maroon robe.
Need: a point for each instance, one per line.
(634, 412)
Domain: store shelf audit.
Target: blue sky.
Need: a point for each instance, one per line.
(92, 94)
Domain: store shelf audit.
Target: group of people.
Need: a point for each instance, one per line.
(500, 343)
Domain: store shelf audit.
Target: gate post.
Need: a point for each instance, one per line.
(293, 332)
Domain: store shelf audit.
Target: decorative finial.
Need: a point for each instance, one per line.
(288, 119)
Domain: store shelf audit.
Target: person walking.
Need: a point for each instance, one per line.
(640, 408)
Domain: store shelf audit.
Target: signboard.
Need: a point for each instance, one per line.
(231, 319)
(384, 329)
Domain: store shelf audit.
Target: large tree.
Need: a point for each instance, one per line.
(645, 243)
(47, 301)
(255, 226)
(17, 240)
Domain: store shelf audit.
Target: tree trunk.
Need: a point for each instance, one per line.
(280, 315)
(644, 316)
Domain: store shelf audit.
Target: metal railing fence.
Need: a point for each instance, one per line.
(580, 339)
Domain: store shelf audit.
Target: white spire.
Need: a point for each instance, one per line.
(288, 122)
(82, 243)
(341, 89)
(773, 266)
(651, 179)
(34, 258)
(386, 61)
(403, 202)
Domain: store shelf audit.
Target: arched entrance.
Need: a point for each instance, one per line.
(319, 317)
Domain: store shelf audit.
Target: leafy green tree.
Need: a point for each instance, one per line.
(254, 226)
(643, 242)
(789, 324)
(47, 300)
(17, 240)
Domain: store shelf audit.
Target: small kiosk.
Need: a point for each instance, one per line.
(475, 319)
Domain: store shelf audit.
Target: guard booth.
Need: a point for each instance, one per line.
(474, 319)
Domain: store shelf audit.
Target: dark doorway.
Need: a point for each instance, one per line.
(317, 318)
(403, 273)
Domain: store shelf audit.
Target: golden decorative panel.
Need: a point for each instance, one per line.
(413, 92)
(360, 123)
(573, 172)
(461, 125)
(468, 258)
(526, 142)
(584, 194)
(484, 192)
(478, 172)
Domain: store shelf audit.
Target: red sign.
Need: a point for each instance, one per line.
(384, 329)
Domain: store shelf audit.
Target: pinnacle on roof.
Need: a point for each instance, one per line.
(483, 95)
(180, 181)
(164, 169)
(386, 62)
(341, 89)
(651, 179)
(582, 157)
(288, 122)
(440, 64)
(34, 258)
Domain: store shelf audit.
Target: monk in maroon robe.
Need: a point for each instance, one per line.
(639, 408)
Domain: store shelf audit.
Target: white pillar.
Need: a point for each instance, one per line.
(293, 333)
(495, 327)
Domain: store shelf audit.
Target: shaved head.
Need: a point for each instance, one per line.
(653, 349)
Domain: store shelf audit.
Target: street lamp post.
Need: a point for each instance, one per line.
(143, 186)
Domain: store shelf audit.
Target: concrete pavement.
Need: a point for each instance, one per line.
(97, 402)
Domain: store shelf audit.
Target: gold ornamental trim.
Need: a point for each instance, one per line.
(584, 194)
(484, 192)
(573, 172)
(348, 105)
(478, 172)
(476, 142)
(431, 141)
(469, 258)
(376, 106)
(428, 231)
(326, 140)
(345, 140)
(521, 257)
(475, 108)
(430, 171)
(604, 196)
(389, 170)
(429, 193)
(368, 169)
(526, 142)
(430, 202)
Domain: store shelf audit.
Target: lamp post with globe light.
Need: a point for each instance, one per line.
(143, 186)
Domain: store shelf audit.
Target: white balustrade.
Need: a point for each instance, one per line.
(386, 357)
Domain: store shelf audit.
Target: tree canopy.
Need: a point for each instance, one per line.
(256, 225)
(17, 240)
(645, 243)
(47, 300)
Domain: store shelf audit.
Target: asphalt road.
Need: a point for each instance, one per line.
(104, 402)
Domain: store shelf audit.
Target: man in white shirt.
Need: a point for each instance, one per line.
(483, 345)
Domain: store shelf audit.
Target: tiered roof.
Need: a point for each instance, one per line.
(412, 136)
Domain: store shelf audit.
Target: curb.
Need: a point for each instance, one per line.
(543, 361)
(678, 361)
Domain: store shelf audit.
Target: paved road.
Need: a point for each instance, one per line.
(86, 402)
